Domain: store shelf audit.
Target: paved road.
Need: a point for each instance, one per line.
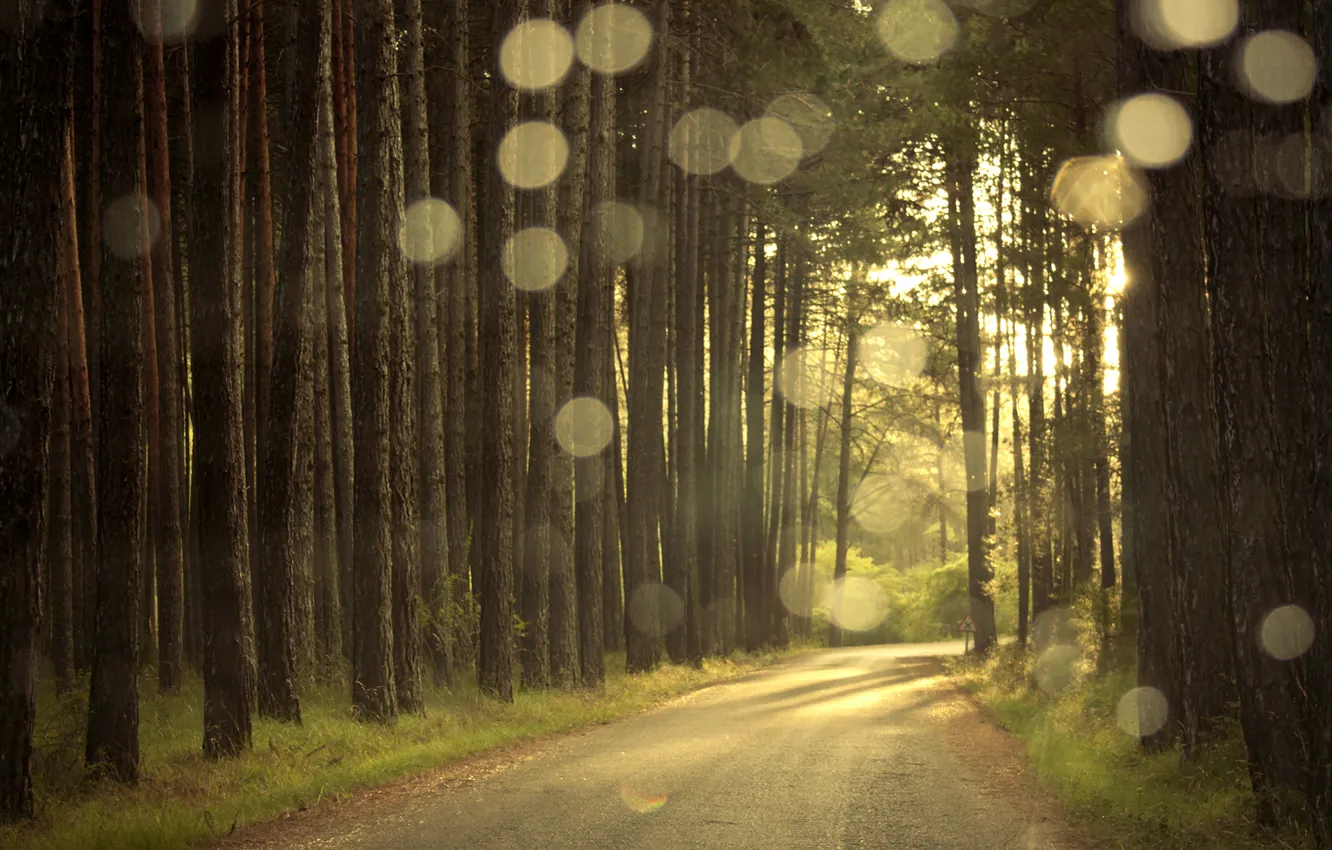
(850, 748)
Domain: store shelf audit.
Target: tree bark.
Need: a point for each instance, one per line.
(844, 461)
(498, 356)
(378, 266)
(755, 596)
(113, 707)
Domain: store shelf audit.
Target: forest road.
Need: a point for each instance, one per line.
(860, 747)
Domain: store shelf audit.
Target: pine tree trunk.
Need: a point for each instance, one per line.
(59, 541)
(167, 533)
(966, 287)
(221, 522)
(583, 344)
(772, 603)
(404, 399)
(378, 266)
(113, 707)
(498, 359)
(786, 561)
(614, 507)
(567, 629)
(755, 597)
(32, 154)
(844, 460)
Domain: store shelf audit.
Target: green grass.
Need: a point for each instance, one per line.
(184, 799)
(1130, 798)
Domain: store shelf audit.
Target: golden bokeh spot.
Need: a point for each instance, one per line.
(918, 32)
(1277, 66)
(809, 116)
(892, 354)
(1099, 191)
(536, 55)
(178, 20)
(1174, 24)
(1142, 712)
(804, 379)
(535, 259)
(766, 150)
(1151, 130)
(857, 604)
(533, 155)
(613, 38)
(700, 142)
(431, 232)
(1287, 632)
(583, 426)
(618, 226)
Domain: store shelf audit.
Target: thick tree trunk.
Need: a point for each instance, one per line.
(284, 633)
(59, 543)
(379, 264)
(31, 159)
(498, 357)
(113, 706)
(229, 668)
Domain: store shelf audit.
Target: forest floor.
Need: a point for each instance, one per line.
(857, 747)
(1136, 801)
(185, 800)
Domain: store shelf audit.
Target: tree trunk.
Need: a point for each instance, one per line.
(582, 345)
(966, 292)
(378, 267)
(113, 706)
(498, 356)
(167, 531)
(31, 155)
(755, 596)
(844, 462)
(59, 541)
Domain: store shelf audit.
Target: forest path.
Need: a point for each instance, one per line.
(842, 748)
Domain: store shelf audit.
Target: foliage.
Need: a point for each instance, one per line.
(923, 603)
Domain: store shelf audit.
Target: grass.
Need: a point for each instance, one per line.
(1130, 798)
(184, 799)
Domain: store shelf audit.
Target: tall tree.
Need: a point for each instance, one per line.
(755, 567)
(31, 154)
(378, 261)
(498, 351)
(229, 667)
(113, 705)
(844, 458)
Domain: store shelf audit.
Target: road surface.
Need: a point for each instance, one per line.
(848, 748)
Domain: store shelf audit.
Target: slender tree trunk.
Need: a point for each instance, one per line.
(755, 596)
(59, 556)
(966, 287)
(167, 520)
(786, 561)
(844, 461)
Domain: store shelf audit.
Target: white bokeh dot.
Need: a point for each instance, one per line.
(1276, 66)
(533, 155)
(536, 54)
(535, 259)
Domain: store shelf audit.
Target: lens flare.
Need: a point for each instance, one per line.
(809, 116)
(1277, 66)
(881, 503)
(536, 55)
(1173, 24)
(1057, 668)
(654, 610)
(891, 354)
(131, 225)
(535, 259)
(857, 604)
(700, 142)
(804, 379)
(1099, 191)
(1151, 130)
(618, 226)
(431, 232)
(766, 150)
(583, 426)
(918, 32)
(642, 803)
(533, 155)
(1287, 633)
(177, 21)
(613, 38)
(1142, 712)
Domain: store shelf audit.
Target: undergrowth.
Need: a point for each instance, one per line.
(185, 799)
(1133, 799)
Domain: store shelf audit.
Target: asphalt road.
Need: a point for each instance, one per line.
(862, 747)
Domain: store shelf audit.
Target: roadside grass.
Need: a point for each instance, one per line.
(1130, 798)
(185, 799)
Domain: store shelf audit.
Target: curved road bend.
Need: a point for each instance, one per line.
(846, 748)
